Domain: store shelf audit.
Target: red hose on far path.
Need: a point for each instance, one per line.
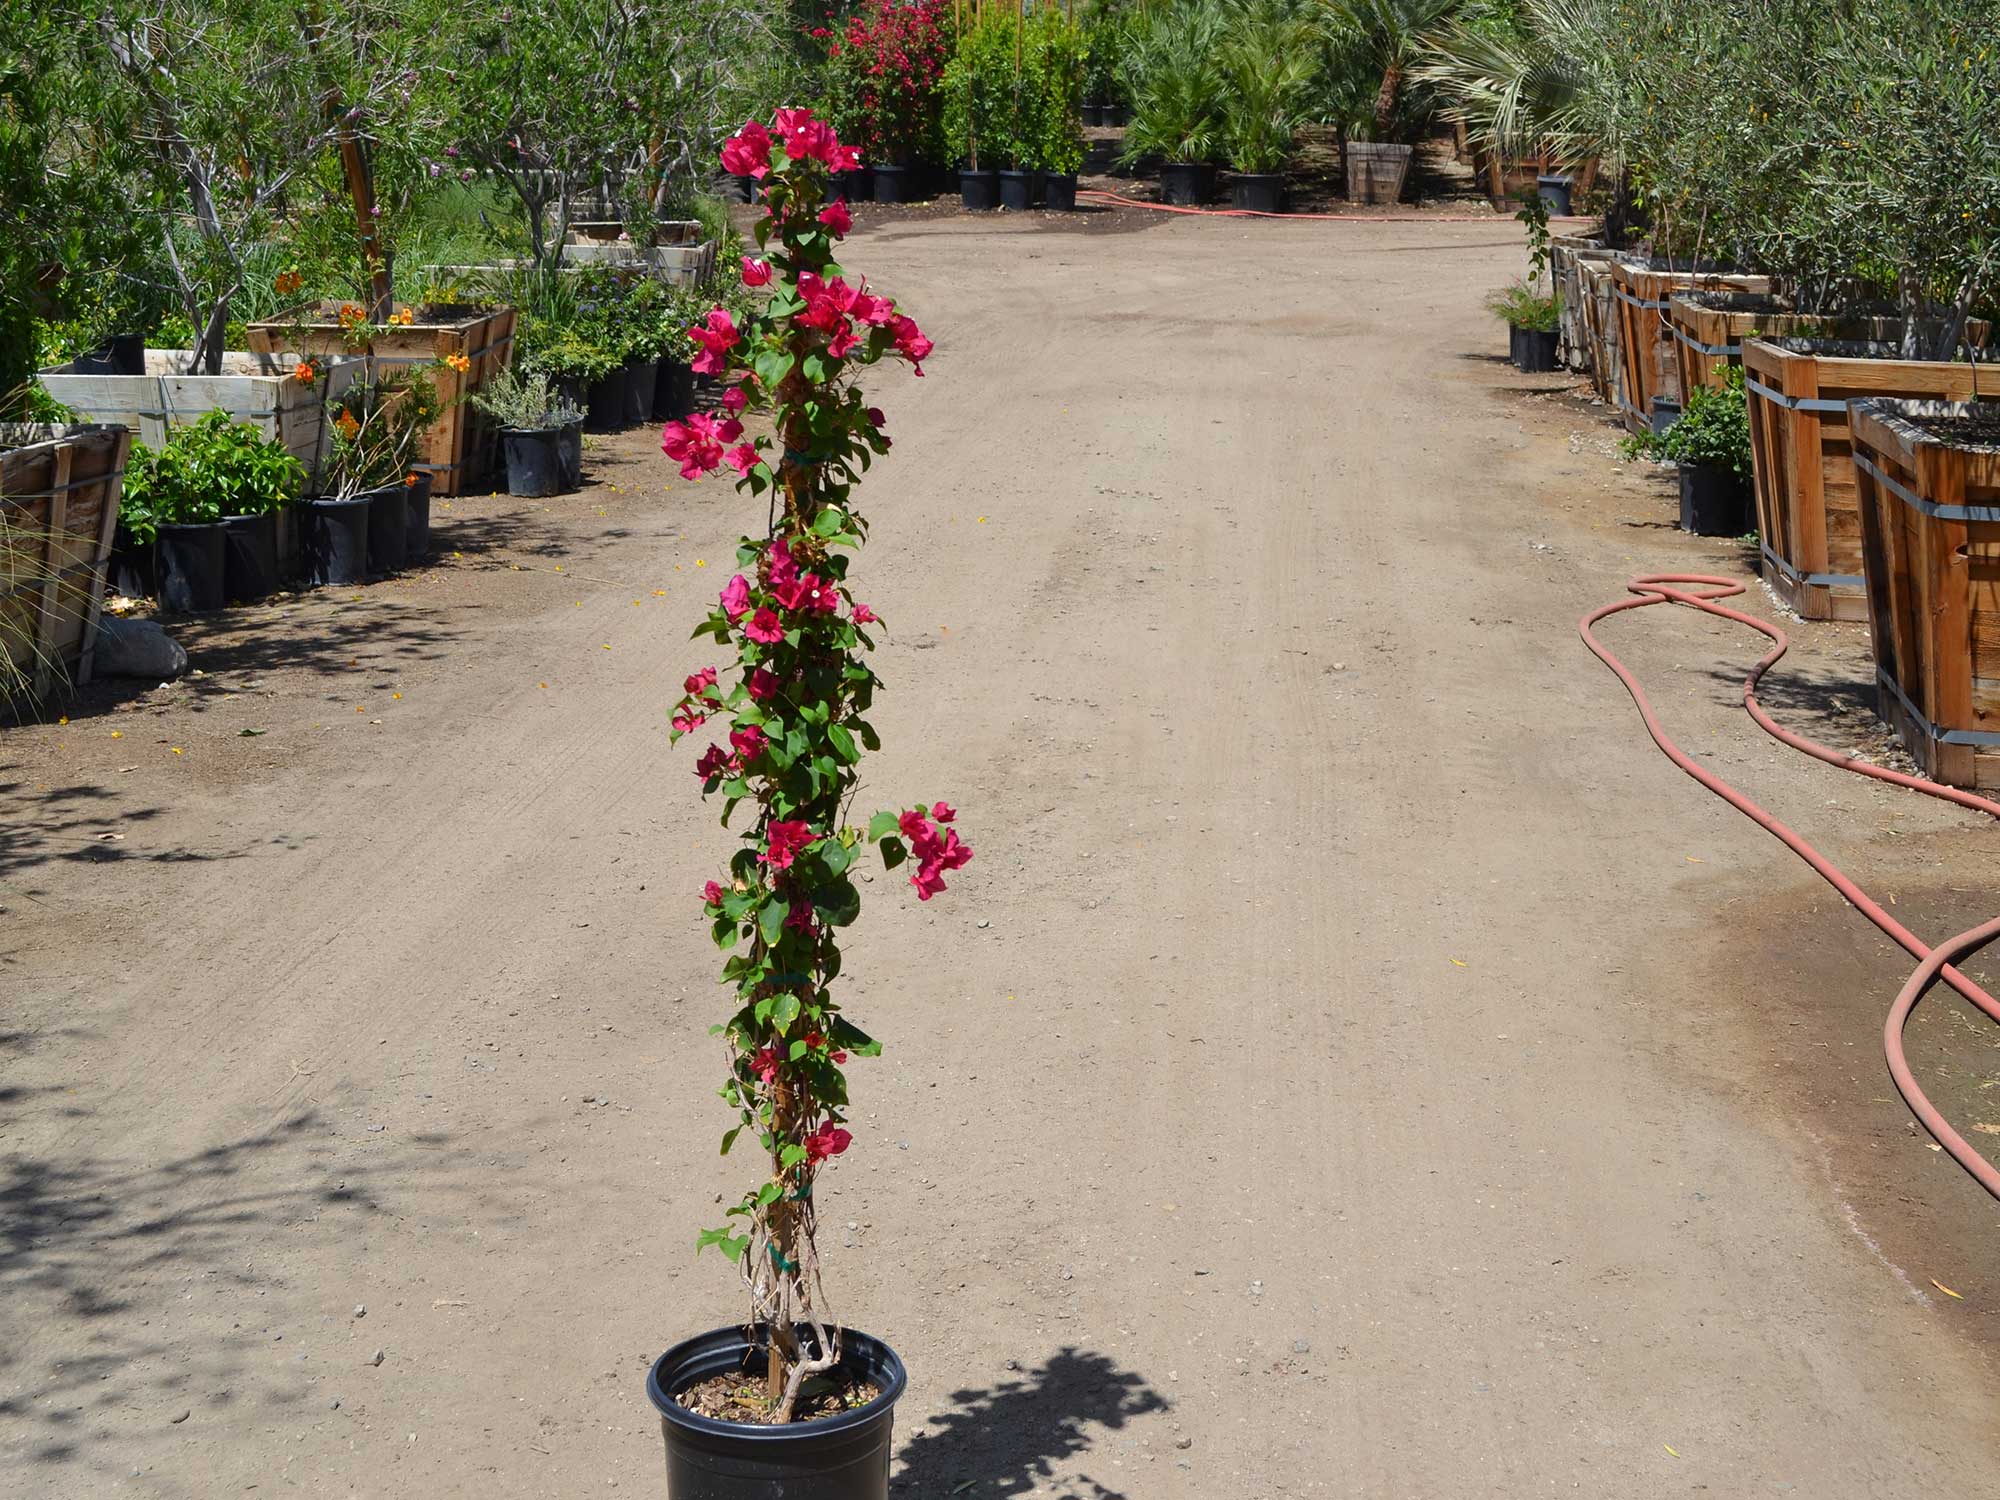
(1935, 963)
(1099, 195)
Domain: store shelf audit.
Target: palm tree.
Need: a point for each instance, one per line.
(1541, 81)
(1394, 34)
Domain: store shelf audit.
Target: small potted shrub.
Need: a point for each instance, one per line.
(359, 521)
(537, 425)
(791, 1400)
(1533, 317)
(1711, 444)
(890, 58)
(1174, 76)
(978, 93)
(1055, 136)
(168, 504)
(1268, 70)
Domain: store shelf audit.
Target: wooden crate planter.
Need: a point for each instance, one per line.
(1569, 264)
(458, 450)
(1647, 367)
(59, 489)
(1600, 325)
(677, 265)
(1807, 520)
(1709, 329)
(254, 388)
(1929, 503)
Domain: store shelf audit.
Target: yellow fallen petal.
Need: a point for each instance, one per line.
(177, 749)
(541, 684)
(1461, 963)
(118, 734)
(700, 563)
(63, 720)
(395, 695)
(1670, 1448)
(1945, 1289)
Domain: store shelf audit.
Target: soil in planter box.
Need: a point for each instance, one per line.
(740, 1397)
(1969, 430)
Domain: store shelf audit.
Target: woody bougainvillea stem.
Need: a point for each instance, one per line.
(794, 701)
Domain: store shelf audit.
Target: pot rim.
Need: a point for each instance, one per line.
(894, 1380)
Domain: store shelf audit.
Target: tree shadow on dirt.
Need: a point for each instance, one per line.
(78, 824)
(1013, 1437)
(112, 1275)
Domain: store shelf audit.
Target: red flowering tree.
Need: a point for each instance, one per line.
(795, 697)
(886, 66)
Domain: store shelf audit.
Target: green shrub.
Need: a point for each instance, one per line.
(1173, 73)
(1714, 430)
(1521, 306)
(217, 467)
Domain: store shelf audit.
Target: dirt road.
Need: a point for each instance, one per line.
(1356, 1063)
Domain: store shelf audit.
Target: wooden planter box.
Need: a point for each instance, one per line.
(1930, 529)
(59, 490)
(1647, 367)
(254, 388)
(1807, 520)
(1709, 329)
(674, 264)
(1569, 260)
(1600, 325)
(458, 451)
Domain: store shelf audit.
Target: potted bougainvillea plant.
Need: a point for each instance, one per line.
(790, 1399)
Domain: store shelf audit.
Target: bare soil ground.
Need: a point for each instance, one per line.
(1356, 1063)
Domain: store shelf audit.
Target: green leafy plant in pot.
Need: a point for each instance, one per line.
(1711, 444)
(1533, 316)
(1268, 71)
(209, 500)
(1053, 127)
(540, 432)
(980, 98)
(1173, 73)
(791, 1399)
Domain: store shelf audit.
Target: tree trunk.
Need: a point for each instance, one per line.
(1385, 101)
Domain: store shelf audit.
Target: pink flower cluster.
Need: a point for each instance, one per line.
(935, 851)
(748, 152)
(717, 337)
(697, 445)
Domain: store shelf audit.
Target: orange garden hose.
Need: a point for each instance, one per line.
(1099, 195)
(1935, 963)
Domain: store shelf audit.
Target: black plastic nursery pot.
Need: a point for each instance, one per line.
(673, 391)
(1555, 193)
(842, 1457)
(604, 403)
(250, 556)
(1093, 112)
(133, 566)
(1715, 501)
(1666, 412)
(1533, 350)
(979, 191)
(1059, 191)
(641, 377)
(858, 186)
(1016, 188)
(336, 549)
(569, 447)
(121, 354)
(1258, 192)
(1185, 182)
(417, 517)
(1114, 114)
(192, 564)
(897, 184)
(388, 528)
(534, 461)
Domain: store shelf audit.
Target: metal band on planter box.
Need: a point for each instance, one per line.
(1793, 403)
(1931, 731)
(63, 489)
(1822, 580)
(1721, 351)
(1987, 513)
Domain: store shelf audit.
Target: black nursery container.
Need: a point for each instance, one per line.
(1016, 188)
(1533, 350)
(534, 461)
(842, 1457)
(569, 449)
(673, 392)
(336, 548)
(1059, 191)
(1258, 192)
(605, 403)
(1715, 501)
(1554, 191)
(641, 379)
(388, 528)
(979, 191)
(896, 184)
(192, 561)
(250, 556)
(417, 517)
(1186, 182)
